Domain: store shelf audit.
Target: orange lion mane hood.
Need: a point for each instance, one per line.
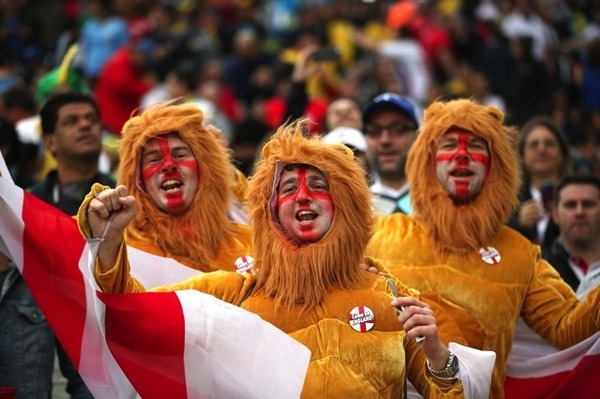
(198, 233)
(460, 228)
(292, 274)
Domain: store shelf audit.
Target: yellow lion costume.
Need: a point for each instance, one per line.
(487, 273)
(203, 237)
(310, 291)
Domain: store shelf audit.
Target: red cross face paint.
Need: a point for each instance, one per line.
(170, 173)
(303, 204)
(462, 162)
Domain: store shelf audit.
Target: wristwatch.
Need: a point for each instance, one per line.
(448, 372)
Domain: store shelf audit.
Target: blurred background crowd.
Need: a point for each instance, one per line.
(235, 58)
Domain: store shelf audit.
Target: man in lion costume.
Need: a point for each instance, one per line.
(311, 216)
(463, 176)
(184, 182)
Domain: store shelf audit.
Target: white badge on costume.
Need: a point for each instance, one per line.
(243, 264)
(361, 319)
(490, 255)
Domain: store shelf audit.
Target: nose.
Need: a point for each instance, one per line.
(303, 194)
(462, 156)
(386, 136)
(168, 164)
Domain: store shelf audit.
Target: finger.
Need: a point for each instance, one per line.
(407, 301)
(97, 207)
(127, 201)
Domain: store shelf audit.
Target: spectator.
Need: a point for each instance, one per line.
(343, 112)
(185, 184)
(249, 69)
(576, 211)
(390, 124)
(101, 35)
(72, 133)
(545, 158)
(411, 65)
(122, 83)
(9, 146)
(353, 139)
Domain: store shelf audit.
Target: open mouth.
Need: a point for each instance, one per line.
(171, 185)
(461, 173)
(306, 215)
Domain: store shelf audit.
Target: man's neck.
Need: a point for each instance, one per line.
(537, 181)
(589, 255)
(70, 172)
(395, 184)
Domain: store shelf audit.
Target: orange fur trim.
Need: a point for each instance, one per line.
(199, 233)
(461, 228)
(291, 274)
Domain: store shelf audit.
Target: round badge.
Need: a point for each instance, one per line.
(361, 319)
(243, 264)
(490, 255)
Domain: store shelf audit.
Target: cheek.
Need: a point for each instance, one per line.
(191, 165)
(150, 171)
(481, 161)
(441, 169)
(327, 204)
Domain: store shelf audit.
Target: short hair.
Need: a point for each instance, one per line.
(20, 97)
(578, 178)
(49, 112)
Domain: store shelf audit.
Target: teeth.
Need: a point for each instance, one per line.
(170, 185)
(304, 216)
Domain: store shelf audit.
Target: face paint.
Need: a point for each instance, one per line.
(462, 163)
(170, 173)
(304, 205)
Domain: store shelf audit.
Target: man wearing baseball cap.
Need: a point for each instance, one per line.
(390, 124)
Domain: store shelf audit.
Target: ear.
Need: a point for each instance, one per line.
(50, 143)
(555, 213)
(495, 113)
(433, 110)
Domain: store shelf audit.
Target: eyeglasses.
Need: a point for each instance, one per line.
(394, 129)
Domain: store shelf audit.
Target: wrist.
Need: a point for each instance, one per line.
(450, 370)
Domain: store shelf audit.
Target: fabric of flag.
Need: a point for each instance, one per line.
(181, 344)
(537, 370)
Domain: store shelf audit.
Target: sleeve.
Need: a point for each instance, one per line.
(427, 385)
(76, 388)
(552, 309)
(227, 286)
(82, 220)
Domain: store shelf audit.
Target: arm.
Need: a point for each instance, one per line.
(110, 210)
(552, 309)
(418, 320)
(429, 355)
(76, 388)
(297, 98)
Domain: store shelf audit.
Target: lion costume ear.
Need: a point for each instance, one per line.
(266, 151)
(495, 113)
(434, 109)
(132, 121)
